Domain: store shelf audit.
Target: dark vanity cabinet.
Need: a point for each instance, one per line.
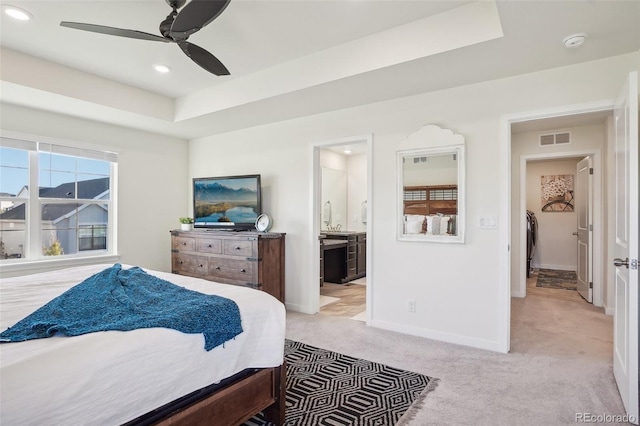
(342, 256)
(321, 239)
(361, 255)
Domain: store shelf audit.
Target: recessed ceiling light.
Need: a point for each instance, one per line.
(347, 151)
(17, 13)
(574, 40)
(162, 68)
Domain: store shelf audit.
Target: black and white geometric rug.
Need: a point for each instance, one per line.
(328, 388)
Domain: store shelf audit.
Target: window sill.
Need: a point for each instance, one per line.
(26, 267)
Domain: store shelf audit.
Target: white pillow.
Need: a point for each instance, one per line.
(437, 225)
(414, 227)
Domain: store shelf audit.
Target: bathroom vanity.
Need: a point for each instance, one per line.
(343, 256)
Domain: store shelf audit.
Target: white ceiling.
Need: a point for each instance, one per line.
(289, 58)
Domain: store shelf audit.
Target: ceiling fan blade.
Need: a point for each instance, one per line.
(195, 15)
(203, 58)
(113, 31)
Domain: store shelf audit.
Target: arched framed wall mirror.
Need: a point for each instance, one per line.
(431, 186)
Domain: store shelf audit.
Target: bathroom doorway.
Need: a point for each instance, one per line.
(342, 200)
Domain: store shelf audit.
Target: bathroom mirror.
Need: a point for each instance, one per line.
(334, 199)
(431, 184)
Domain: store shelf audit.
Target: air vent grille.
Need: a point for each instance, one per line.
(547, 140)
(563, 138)
(555, 139)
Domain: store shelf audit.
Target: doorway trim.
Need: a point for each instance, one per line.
(505, 200)
(598, 243)
(313, 301)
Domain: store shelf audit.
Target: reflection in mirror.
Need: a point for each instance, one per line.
(334, 199)
(431, 192)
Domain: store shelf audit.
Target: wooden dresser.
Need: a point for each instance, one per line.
(252, 259)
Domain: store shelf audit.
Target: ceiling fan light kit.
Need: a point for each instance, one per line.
(161, 68)
(17, 13)
(175, 28)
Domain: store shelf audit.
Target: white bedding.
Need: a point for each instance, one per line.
(111, 377)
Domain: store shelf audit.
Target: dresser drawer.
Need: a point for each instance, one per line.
(183, 243)
(241, 271)
(209, 245)
(189, 264)
(248, 259)
(238, 248)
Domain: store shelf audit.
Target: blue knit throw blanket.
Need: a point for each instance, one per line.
(119, 299)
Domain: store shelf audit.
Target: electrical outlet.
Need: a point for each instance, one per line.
(411, 305)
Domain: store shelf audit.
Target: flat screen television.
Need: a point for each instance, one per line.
(226, 202)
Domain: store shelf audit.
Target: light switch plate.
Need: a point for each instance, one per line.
(488, 222)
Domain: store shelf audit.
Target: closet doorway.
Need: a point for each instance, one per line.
(539, 162)
(550, 316)
(342, 200)
(559, 255)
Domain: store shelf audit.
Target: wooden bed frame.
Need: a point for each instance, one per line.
(446, 203)
(231, 402)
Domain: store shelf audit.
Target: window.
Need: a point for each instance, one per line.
(92, 237)
(71, 213)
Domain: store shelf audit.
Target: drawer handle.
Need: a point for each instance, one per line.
(181, 262)
(217, 268)
(201, 265)
(243, 270)
(238, 248)
(184, 244)
(209, 245)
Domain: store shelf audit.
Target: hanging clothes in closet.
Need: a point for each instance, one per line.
(532, 237)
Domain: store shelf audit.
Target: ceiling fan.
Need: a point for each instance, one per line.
(176, 28)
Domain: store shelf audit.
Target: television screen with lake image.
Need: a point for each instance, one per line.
(229, 202)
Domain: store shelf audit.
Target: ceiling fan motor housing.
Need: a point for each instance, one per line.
(165, 26)
(176, 4)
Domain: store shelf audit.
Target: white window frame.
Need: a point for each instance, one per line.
(33, 258)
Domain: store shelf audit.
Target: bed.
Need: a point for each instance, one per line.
(143, 376)
(430, 209)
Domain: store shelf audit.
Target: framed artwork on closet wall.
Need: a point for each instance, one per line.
(556, 193)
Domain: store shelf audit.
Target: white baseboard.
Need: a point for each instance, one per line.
(438, 335)
(517, 293)
(303, 309)
(608, 310)
(556, 267)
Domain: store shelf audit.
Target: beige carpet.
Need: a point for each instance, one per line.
(552, 373)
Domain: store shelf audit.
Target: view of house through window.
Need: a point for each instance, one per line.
(71, 211)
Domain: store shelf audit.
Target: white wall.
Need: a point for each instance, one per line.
(152, 178)
(556, 247)
(456, 286)
(439, 170)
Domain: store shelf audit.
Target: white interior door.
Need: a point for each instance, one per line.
(583, 202)
(625, 320)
